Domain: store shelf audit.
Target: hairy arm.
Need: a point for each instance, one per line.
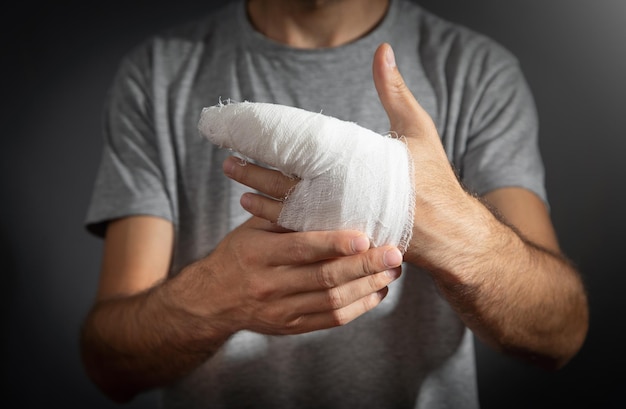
(555, 307)
(498, 263)
(146, 330)
(136, 337)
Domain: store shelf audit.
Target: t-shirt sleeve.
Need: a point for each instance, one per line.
(502, 146)
(129, 180)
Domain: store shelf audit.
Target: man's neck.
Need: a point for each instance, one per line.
(315, 24)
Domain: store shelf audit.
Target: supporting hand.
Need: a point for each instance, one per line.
(285, 283)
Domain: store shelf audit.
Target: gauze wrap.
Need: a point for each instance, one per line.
(351, 177)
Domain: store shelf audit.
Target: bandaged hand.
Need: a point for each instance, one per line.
(348, 176)
(441, 203)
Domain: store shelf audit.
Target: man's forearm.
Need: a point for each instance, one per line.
(136, 343)
(514, 295)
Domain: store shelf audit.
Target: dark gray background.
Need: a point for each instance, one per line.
(57, 61)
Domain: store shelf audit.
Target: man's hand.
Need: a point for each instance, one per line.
(274, 282)
(442, 207)
(435, 182)
(146, 329)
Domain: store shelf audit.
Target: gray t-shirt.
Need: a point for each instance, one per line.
(410, 352)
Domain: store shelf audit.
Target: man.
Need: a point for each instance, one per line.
(219, 309)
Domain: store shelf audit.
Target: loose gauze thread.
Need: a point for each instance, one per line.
(351, 177)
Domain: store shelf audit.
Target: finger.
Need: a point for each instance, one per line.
(265, 225)
(406, 116)
(267, 181)
(335, 318)
(334, 273)
(339, 297)
(293, 249)
(261, 206)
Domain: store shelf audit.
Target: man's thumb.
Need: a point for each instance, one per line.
(402, 108)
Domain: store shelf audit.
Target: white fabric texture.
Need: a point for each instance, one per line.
(351, 177)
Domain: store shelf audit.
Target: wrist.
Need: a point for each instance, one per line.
(198, 328)
(453, 239)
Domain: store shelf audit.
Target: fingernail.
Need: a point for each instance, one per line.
(392, 258)
(393, 273)
(390, 57)
(382, 293)
(228, 166)
(245, 201)
(360, 244)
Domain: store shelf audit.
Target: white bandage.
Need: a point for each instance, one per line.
(351, 177)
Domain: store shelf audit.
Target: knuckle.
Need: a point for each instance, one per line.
(294, 324)
(325, 277)
(368, 263)
(247, 258)
(372, 301)
(341, 242)
(277, 185)
(375, 282)
(334, 298)
(299, 251)
(379, 280)
(277, 317)
(338, 318)
(398, 85)
(259, 290)
(338, 246)
(374, 261)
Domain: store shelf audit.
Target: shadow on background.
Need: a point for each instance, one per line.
(57, 62)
